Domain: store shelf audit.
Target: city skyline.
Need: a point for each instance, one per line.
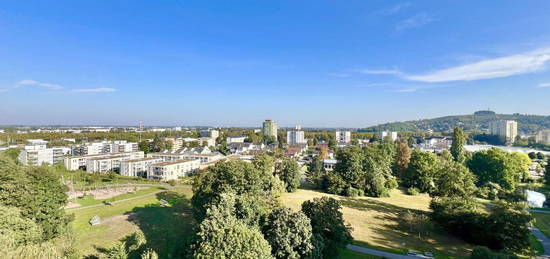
(320, 64)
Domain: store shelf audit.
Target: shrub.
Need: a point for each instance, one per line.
(413, 191)
(352, 192)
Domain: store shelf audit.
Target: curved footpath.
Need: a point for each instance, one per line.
(123, 200)
(370, 251)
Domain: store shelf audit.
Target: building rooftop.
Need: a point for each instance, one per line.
(142, 159)
(109, 157)
(174, 162)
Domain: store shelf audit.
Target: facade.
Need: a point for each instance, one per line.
(237, 139)
(166, 171)
(210, 133)
(543, 137)
(384, 134)
(239, 148)
(343, 137)
(177, 143)
(35, 142)
(270, 128)
(81, 162)
(104, 164)
(40, 154)
(94, 148)
(295, 137)
(137, 167)
(329, 164)
(507, 130)
(167, 157)
(207, 142)
(204, 158)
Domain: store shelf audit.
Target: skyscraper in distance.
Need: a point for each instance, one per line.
(270, 128)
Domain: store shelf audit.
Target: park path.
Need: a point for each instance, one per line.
(370, 251)
(123, 200)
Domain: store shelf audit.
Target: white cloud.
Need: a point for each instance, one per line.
(407, 90)
(396, 8)
(94, 90)
(489, 68)
(544, 85)
(416, 21)
(380, 71)
(29, 82)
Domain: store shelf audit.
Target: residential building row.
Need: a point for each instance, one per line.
(40, 154)
(94, 148)
(507, 130)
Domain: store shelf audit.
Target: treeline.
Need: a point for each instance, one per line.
(453, 179)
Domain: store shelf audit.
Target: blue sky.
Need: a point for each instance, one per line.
(236, 63)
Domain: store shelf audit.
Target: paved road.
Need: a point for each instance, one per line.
(123, 200)
(370, 251)
(545, 241)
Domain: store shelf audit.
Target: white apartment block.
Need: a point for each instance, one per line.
(207, 142)
(343, 137)
(295, 137)
(137, 167)
(35, 142)
(167, 157)
(210, 133)
(81, 162)
(204, 158)
(506, 129)
(384, 134)
(177, 143)
(543, 137)
(94, 148)
(39, 154)
(166, 171)
(269, 128)
(236, 139)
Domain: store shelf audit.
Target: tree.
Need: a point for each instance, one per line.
(327, 224)
(547, 172)
(532, 155)
(457, 147)
(38, 193)
(18, 230)
(117, 251)
(540, 155)
(256, 190)
(422, 171)
(289, 172)
(402, 159)
(264, 162)
(144, 146)
(454, 180)
(500, 167)
(316, 174)
(289, 233)
(222, 235)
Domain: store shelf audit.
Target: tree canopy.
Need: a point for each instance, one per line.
(500, 167)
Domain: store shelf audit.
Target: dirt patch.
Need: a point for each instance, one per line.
(119, 218)
(104, 193)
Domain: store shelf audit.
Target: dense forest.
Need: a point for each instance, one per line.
(478, 121)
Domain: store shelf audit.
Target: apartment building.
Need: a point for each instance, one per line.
(296, 136)
(343, 137)
(383, 135)
(269, 128)
(204, 158)
(40, 154)
(543, 137)
(94, 148)
(172, 170)
(177, 143)
(137, 167)
(81, 162)
(507, 130)
(167, 157)
(210, 133)
(235, 139)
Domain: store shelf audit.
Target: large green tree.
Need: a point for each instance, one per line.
(328, 225)
(500, 167)
(402, 159)
(290, 173)
(257, 191)
(37, 193)
(457, 147)
(16, 230)
(316, 174)
(454, 180)
(423, 170)
(289, 234)
(222, 235)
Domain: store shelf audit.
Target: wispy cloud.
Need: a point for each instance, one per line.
(415, 21)
(544, 85)
(94, 90)
(406, 90)
(395, 9)
(29, 82)
(489, 68)
(380, 72)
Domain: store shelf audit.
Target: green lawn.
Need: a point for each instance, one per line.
(542, 222)
(89, 199)
(536, 245)
(165, 228)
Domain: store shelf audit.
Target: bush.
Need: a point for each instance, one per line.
(413, 191)
(352, 192)
(481, 252)
(172, 183)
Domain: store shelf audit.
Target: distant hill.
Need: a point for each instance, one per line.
(480, 120)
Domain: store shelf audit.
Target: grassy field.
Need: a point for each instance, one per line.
(375, 223)
(349, 254)
(89, 199)
(165, 228)
(542, 222)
